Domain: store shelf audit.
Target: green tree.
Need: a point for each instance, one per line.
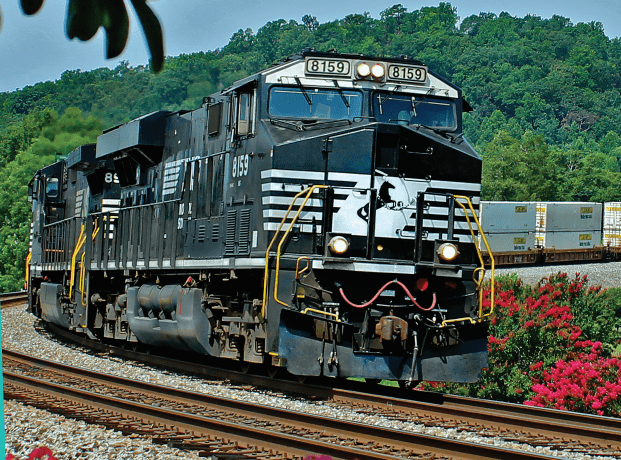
(46, 136)
(519, 170)
(310, 22)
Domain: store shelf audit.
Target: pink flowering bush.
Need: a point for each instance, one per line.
(588, 383)
(552, 345)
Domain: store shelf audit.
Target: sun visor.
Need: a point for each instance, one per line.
(466, 107)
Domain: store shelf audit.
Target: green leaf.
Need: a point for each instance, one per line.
(153, 33)
(30, 7)
(116, 23)
(83, 19)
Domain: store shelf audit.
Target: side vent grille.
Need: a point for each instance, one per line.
(79, 203)
(244, 231)
(215, 232)
(201, 234)
(231, 225)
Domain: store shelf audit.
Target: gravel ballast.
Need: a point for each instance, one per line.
(606, 274)
(27, 428)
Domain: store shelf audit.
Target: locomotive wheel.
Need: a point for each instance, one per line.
(272, 371)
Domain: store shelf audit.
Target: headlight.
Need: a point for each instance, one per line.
(364, 70)
(378, 71)
(448, 252)
(338, 245)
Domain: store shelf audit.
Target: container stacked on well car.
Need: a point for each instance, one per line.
(509, 227)
(554, 231)
(568, 230)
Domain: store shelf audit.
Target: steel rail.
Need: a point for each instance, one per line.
(581, 428)
(395, 440)
(11, 299)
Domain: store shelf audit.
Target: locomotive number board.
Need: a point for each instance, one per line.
(407, 73)
(328, 67)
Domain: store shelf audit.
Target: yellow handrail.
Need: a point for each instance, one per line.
(78, 247)
(96, 229)
(299, 272)
(82, 276)
(309, 191)
(327, 313)
(27, 275)
(480, 270)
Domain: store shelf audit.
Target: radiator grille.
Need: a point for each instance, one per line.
(244, 231)
(231, 225)
(201, 234)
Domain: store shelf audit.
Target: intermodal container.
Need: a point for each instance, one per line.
(561, 240)
(568, 216)
(507, 216)
(508, 242)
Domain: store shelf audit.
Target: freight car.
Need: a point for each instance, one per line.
(319, 216)
(548, 232)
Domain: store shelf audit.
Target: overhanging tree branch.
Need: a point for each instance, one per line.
(85, 17)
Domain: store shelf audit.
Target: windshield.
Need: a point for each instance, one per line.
(415, 110)
(295, 102)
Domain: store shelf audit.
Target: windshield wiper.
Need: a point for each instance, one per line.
(306, 96)
(431, 128)
(295, 125)
(345, 101)
(417, 102)
(390, 93)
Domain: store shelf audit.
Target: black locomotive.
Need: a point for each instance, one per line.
(318, 216)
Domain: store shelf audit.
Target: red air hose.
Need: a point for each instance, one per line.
(408, 293)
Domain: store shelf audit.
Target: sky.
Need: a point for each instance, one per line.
(35, 48)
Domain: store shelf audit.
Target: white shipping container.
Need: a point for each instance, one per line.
(612, 215)
(568, 215)
(507, 216)
(585, 239)
(508, 242)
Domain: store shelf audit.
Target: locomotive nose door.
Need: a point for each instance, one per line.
(349, 168)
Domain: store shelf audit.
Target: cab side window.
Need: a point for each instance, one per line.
(51, 187)
(245, 118)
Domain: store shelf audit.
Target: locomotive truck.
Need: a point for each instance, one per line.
(319, 215)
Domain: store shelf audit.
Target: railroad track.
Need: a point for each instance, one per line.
(11, 299)
(560, 430)
(215, 425)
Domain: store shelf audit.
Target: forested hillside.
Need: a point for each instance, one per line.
(546, 93)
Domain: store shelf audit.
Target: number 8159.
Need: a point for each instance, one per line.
(327, 66)
(407, 73)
